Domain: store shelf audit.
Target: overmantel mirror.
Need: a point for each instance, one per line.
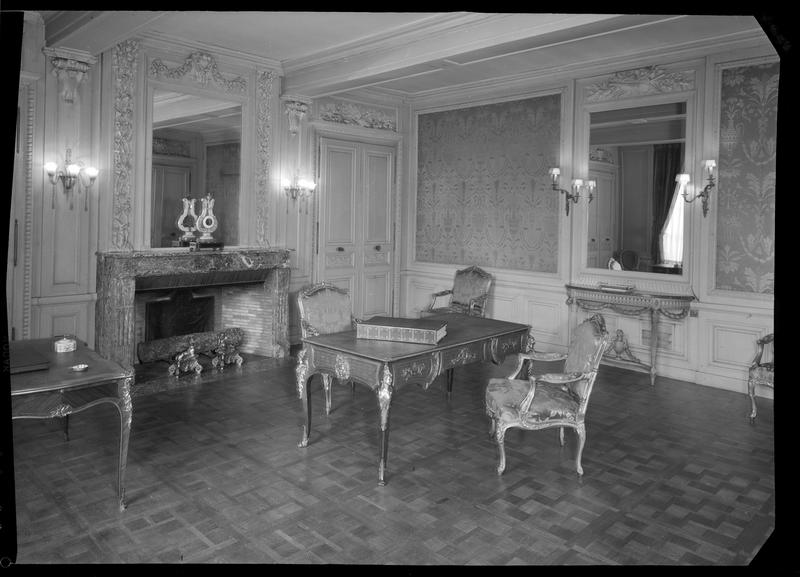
(195, 153)
(635, 132)
(636, 222)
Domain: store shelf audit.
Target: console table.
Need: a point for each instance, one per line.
(631, 303)
(58, 390)
(385, 366)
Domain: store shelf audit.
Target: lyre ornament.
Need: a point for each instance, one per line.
(188, 213)
(207, 222)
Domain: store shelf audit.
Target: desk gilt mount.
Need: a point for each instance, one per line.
(631, 303)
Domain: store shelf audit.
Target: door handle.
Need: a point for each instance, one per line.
(377, 247)
(340, 249)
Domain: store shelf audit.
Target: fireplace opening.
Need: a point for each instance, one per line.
(178, 312)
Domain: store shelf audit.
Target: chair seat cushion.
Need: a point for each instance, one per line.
(551, 401)
(763, 374)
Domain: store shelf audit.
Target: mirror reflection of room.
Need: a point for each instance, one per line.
(196, 152)
(636, 220)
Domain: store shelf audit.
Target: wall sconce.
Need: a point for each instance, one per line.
(683, 184)
(578, 186)
(298, 187)
(71, 174)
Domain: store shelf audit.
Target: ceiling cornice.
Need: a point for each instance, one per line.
(95, 31)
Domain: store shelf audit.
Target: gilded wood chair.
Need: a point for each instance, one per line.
(552, 399)
(468, 295)
(762, 370)
(324, 309)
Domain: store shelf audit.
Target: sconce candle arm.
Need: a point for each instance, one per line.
(578, 184)
(705, 195)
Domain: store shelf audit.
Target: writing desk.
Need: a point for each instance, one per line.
(385, 366)
(59, 391)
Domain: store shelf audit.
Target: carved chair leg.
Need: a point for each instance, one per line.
(326, 384)
(449, 374)
(581, 430)
(492, 427)
(751, 390)
(561, 435)
(499, 435)
(66, 427)
(353, 387)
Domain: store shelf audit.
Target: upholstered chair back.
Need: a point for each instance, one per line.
(324, 308)
(471, 284)
(589, 342)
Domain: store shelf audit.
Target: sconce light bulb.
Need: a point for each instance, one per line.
(591, 185)
(307, 184)
(50, 168)
(682, 178)
(576, 182)
(285, 183)
(73, 169)
(91, 172)
(555, 172)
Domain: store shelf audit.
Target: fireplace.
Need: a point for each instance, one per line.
(248, 287)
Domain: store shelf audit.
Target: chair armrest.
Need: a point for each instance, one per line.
(534, 356)
(560, 378)
(547, 357)
(436, 295)
(557, 378)
(354, 321)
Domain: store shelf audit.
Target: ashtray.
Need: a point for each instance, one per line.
(78, 368)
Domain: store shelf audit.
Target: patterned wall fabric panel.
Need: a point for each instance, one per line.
(746, 190)
(483, 190)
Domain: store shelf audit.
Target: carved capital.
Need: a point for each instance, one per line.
(295, 111)
(69, 66)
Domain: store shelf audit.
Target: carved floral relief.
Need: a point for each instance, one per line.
(483, 189)
(745, 252)
(342, 112)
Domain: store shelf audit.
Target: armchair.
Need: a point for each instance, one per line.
(762, 370)
(325, 308)
(468, 295)
(552, 399)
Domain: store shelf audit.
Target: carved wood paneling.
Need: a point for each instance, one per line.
(640, 82)
(125, 56)
(263, 166)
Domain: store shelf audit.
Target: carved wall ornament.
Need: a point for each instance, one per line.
(124, 56)
(640, 82)
(356, 114)
(70, 67)
(171, 147)
(295, 111)
(263, 154)
(202, 69)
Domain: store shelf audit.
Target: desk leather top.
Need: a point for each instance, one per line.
(461, 330)
(59, 376)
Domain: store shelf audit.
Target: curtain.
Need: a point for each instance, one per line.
(667, 162)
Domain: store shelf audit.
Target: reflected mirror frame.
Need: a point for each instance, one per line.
(682, 111)
(150, 210)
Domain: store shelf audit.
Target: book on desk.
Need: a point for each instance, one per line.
(422, 331)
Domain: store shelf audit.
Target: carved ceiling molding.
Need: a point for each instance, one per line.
(640, 82)
(125, 56)
(171, 147)
(200, 67)
(356, 114)
(265, 81)
(69, 66)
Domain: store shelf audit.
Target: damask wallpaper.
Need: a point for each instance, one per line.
(746, 188)
(483, 190)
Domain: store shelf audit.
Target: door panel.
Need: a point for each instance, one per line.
(356, 222)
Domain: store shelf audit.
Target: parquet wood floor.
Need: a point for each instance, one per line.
(674, 475)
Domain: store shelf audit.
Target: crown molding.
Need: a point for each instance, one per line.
(593, 67)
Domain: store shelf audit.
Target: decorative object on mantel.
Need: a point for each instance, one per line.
(683, 185)
(633, 303)
(206, 222)
(185, 362)
(578, 186)
(189, 227)
(69, 175)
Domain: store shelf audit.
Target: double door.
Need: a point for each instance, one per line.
(355, 247)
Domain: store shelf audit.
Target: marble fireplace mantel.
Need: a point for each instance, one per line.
(120, 274)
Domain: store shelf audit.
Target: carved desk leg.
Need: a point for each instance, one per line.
(385, 390)
(125, 407)
(301, 372)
